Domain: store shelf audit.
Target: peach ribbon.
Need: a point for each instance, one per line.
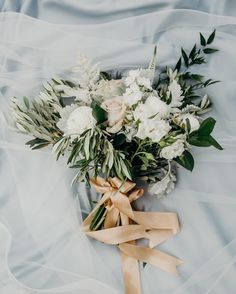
(122, 226)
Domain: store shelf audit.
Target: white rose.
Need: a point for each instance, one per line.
(155, 129)
(153, 106)
(176, 94)
(116, 110)
(109, 89)
(181, 120)
(173, 150)
(76, 120)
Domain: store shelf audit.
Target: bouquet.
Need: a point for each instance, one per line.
(120, 128)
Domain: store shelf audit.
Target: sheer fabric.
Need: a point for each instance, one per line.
(43, 248)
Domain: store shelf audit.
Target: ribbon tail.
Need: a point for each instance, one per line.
(131, 274)
(157, 258)
(119, 235)
(111, 218)
(158, 220)
(157, 237)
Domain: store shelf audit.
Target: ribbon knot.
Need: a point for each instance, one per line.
(123, 226)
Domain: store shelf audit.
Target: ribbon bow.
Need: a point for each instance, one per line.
(123, 226)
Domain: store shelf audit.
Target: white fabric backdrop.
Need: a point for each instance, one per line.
(43, 249)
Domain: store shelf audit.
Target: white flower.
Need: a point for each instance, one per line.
(181, 120)
(142, 77)
(86, 73)
(173, 150)
(153, 106)
(154, 128)
(137, 82)
(190, 108)
(82, 95)
(132, 96)
(172, 74)
(76, 120)
(109, 89)
(164, 186)
(176, 94)
(116, 110)
(204, 105)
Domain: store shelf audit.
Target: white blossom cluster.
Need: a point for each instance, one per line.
(134, 107)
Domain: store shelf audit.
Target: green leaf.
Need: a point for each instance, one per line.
(211, 37)
(185, 57)
(197, 77)
(178, 64)
(152, 64)
(215, 143)
(104, 75)
(39, 146)
(110, 160)
(98, 113)
(37, 143)
(86, 146)
(125, 170)
(26, 101)
(119, 140)
(199, 141)
(204, 141)
(72, 154)
(210, 50)
(202, 40)
(193, 51)
(98, 218)
(149, 156)
(206, 126)
(213, 82)
(186, 160)
(188, 126)
(199, 60)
